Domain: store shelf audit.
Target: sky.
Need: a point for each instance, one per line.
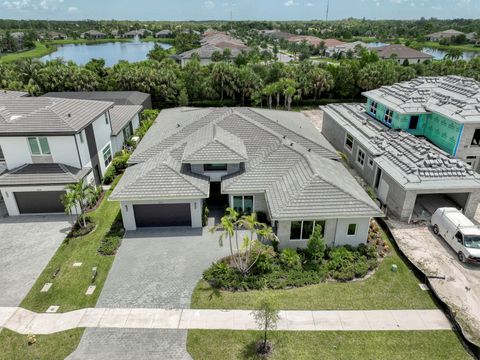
(240, 9)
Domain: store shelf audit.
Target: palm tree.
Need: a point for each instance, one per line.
(453, 54)
(77, 198)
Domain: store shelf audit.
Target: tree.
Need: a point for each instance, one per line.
(266, 316)
(76, 200)
(222, 76)
(243, 252)
(186, 41)
(316, 244)
(453, 54)
(158, 53)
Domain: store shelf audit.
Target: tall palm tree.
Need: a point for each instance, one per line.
(77, 198)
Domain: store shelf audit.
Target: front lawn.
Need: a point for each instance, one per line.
(40, 49)
(392, 345)
(70, 284)
(57, 346)
(383, 290)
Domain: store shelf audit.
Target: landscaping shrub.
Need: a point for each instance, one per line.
(222, 275)
(119, 162)
(265, 259)
(112, 240)
(78, 230)
(109, 175)
(346, 263)
(290, 259)
(316, 245)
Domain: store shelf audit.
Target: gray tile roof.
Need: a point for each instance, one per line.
(8, 94)
(455, 97)
(48, 115)
(413, 162)
(206, 51)
(43, 174)
(216, 144)
(287, 159)
(118, 97)
(120, 116)
(401, 52)
(161, 177)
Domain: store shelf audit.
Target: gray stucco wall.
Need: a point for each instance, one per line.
(465, 147)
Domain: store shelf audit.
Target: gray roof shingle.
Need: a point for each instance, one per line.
(43, 174)
(118, 97)
(48, 115)
(121, 115)
(283, 156)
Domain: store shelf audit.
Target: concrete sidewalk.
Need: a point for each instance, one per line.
(26, 322)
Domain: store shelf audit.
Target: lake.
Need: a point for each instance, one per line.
(436, 53)
(111, 52)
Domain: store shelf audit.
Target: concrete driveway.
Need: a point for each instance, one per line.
(154, 268)
(26, 245)
(460, 289)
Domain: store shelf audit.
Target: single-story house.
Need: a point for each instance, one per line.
(254, 160)
(164, 34)
(411, 176)
(93, 34)
(402, 53)
(446, 34)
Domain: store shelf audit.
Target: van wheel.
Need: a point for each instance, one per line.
(436, 230)
(461, 257)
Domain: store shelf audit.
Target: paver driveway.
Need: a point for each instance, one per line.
(154, 268)
(26, 245)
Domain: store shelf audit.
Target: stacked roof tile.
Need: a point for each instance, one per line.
(281, 155)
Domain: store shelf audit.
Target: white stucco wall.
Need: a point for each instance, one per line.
(117, 142)
(102, 132)
(17, 152)
(128, 213)
(335, 233)
(83, 150)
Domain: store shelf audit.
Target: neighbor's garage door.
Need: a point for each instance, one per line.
(162, 215)
(37, 202)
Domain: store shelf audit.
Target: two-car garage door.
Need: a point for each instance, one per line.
(157, 215)
(39, 202)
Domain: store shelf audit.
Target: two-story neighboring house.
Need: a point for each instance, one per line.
(48, 143)
(254, 160)
(444, 110)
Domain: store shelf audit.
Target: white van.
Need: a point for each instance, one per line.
(459, 232)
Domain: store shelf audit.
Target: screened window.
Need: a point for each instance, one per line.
(388, 116)
(373, 108)
(361, 157)
(107, 155)
(352, 229)
(349, 142)
(215, 167)
(243, 204)
(370, 162)
(128, 131)
(39, 146)
(302, 230)
(476, 138)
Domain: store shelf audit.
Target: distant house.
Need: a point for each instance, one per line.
(447, 34)
(345, 48)
(141, 33)
(93, 34)
(164, 34)
(205, 53)
(54, 35)
(402, 53)
(472, 37)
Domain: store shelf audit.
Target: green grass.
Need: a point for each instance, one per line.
(436, 45)
(383, 290)
(69, 286)
(41, 49)
(57, 346)
(392, 345)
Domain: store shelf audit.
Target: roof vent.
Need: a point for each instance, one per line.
(291, 144)
(178, 125)
(69, 115)
(284, 136)
(309, 150)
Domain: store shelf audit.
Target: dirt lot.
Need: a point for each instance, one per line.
(461, 287)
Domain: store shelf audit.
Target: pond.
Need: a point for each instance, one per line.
(111, 52)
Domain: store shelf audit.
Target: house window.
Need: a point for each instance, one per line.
(471, 160)
(107, 155)
(370, 162)
(388, 116)
(361, 157)
(215, 167)
(39, 146)
(352, 229)
(127, 131)
(373, 108)
(243, 204)
(413, 122)
(476, 138)
(82, 138)
(349, 142)
(302, 230)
